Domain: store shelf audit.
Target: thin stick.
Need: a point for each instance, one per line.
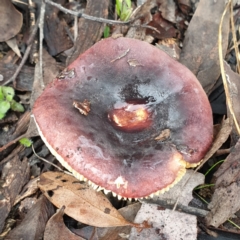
(97, 19)
(41, 36)
(26, 54)
(46, 161)
(85, 16)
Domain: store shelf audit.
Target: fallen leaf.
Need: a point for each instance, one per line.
(55, 34)
(82, 202)
(169, 46)
(33, 225)
(10, 20)
(200, 46)
(185, 6)
(166, 224)
(225, 201)
(233, 81)
(12, 43)
(89, 29)
(15, 174)
(56, 229)
(168, 9)
(29, 189)
(141, 15)
(50, 70)
(114, 233)
(222, 136)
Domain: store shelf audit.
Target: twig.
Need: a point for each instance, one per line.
(41, 36)
(187, 209)
(97, 19)
(46, 161)
(26, 54)
(85, 16)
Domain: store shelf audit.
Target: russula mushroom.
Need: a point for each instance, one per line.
(125, 117)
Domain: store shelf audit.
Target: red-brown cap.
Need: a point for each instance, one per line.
(126, 117)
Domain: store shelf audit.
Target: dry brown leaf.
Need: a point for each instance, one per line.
(165, 28)
(82, 202)
(14, 174)
(29, 189)
(185, 5)
(166, 224)
(114, 233)
(50, 70)
(200, 46)
(222, 136)
(225, 201)
(91, 31)
(233, 80)
(55, 33)
(168, 9)
(10, 20)
(12, 43)
(56, 229)
(142, 15)
(33, 225)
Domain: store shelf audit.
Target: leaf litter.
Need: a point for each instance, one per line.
(199, 53)
(81, 202)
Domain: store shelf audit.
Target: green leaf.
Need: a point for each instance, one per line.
(126, 14)
(17, 107)
(123, 9)
(106, 32)
(4, 107)
(8, 93)
(118, 7)
(1, 94)
(26, 142)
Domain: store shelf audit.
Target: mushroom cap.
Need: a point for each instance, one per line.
(126, 117)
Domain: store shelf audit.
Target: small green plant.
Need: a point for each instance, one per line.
(7, 102)
(26, 142)
(106, 32)
(124, 9)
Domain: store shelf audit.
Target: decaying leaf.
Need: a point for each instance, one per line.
(10, 20)
(222, 136)
(167, 9)
(225, 201)
(166, 224)
(29, 189)
(233, 80)
(82, 202)
(55, 34)
(89, 29)
(12, 43)
(114, 233)
(56, 229)
(15, 174)
(142, 14)
(200, 46)
(33, 225)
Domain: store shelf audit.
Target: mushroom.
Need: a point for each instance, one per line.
(125, 117)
